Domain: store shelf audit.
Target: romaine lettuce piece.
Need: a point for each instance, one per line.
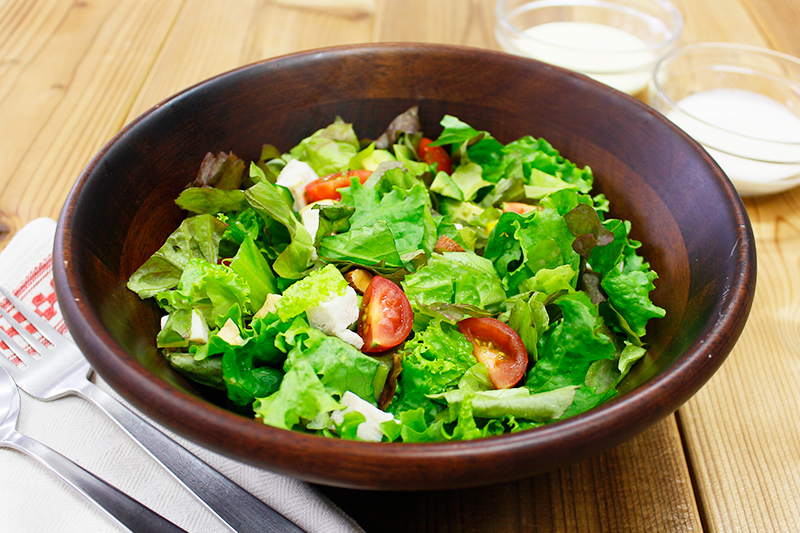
(251, 266)
(205, 200)
(518, 402)
(271, 202)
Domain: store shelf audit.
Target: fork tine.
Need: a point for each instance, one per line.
(41, 325)
(16, 348)
(24, 333)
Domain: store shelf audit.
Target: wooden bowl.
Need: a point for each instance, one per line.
(695, 231)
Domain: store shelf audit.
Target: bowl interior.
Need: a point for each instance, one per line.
(694, 230)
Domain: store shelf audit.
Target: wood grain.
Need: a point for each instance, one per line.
(618, 491)
(72, 73)
(71, 96)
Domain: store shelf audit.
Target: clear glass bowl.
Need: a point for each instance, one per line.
(742, 103)
(617, 42)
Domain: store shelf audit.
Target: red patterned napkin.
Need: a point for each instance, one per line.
(34, 499)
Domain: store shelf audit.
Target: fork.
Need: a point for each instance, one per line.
(62, 370)
(123, 509)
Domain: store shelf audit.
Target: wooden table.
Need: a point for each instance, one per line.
(72, 73)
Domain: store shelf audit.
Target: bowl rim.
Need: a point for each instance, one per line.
(639, 408)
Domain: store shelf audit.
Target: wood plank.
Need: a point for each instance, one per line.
(741, 429)
(778, 21)
(24, 29)
(642, 485)
(718, 21)
(465, 22)
(72, 95)
(210, 38)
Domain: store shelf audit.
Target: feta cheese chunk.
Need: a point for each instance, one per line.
(295, 176)
(370, 429)
(230, 333)
(269, 306)
(310, 220)
(199, 331)
(334, 316)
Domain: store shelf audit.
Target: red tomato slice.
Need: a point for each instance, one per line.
(325, 188)
(386, 317)
(498, 347)
(435, 154)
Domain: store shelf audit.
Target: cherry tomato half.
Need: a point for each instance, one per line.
(386, 317)
(325, 188)
(435, 154)
(498, 347)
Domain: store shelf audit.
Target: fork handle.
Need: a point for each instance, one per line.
(126, 511)
(240, 510)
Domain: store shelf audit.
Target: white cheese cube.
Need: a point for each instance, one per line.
(335, 315)
(370, 429)
(269, 306)
(199, 332)
(230, 333)
(310, 220)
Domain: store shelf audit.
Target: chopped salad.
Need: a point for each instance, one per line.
(403, 288)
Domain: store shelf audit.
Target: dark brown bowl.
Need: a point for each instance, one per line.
(695, 231)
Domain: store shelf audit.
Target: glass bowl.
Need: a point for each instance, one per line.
(742, 104)
(616, 42)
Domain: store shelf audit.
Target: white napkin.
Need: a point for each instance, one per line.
(32, 499)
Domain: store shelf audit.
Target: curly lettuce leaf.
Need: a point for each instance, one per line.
(319, 369)
(404, 215)
(301, 397)
(454, 278)
(197, 237)
(320, 285)
(434, 361)
(329, 149)
(209, 288)
(520, 246)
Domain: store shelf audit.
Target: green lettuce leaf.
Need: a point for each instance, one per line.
(330, 149)
(210, 288)
(454, 278)
(320, 285)
(405, 214)
(271, 203)
(251, 267)
(518, 402)
(433, 362)
(204, 200)
(197, 237)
